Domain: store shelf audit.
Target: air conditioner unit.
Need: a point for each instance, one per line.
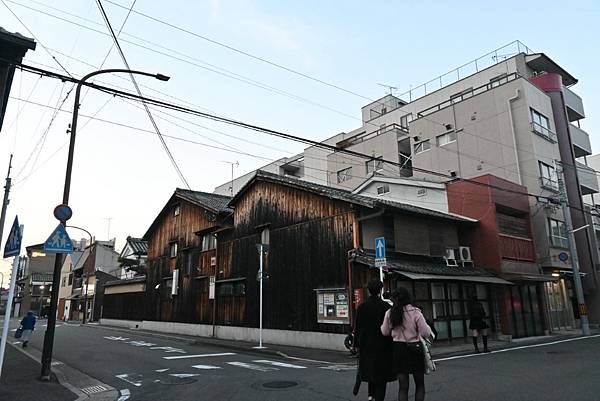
(213, 261)
(175, 282)
(450, 257)
(464, 254)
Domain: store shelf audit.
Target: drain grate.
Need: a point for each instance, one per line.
(93, 389)
(280, 384)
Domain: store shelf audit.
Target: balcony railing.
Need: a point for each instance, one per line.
(588, 180)
(581, 141)
(543, 132)
(362, 137)
(517, 248)
(574, 105)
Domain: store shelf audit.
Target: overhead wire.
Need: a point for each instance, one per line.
(139, 92)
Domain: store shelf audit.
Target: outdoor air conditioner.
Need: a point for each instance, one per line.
(450, 257)
(464, 254)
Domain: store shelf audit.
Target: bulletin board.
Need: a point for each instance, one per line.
(332, 306)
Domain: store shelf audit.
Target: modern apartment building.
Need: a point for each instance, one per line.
(511, 113)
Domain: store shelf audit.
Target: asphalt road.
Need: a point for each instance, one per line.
(154, 368)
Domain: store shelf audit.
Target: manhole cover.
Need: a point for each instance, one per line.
(280, 384)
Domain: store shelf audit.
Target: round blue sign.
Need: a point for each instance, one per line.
(563, 256)
(63, 212)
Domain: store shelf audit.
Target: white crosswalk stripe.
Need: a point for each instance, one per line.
(199, 355)
(205, 367)
(280, 364)
(252, 366)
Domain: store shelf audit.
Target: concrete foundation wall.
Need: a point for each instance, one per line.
(305, 339)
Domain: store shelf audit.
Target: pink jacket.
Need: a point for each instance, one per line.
(414, 324)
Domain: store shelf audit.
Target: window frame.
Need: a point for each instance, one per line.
(418, 147)
(560, 240)
(173, 249)
(540, 125)
(384, 187)
(550, 179)
(448, 134)
(209, 242)
(177, 210)
(344, 175)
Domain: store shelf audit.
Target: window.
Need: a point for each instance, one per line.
(64, 281)
(548, 176)
(558, 233)
(497, 81)
(512, 225)
(232, 289)
(457, 97)
(70, 279)
(422, 146)
(374, 165)
(177, 210)
(384, 189)
(541, 125)
(209, 242)
(344, 175)
(405, 119)
(173, 249)
(446, 138)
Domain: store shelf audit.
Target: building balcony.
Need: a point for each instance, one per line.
(574, 105)
(587, 179)
(581, 141)
(516, 248)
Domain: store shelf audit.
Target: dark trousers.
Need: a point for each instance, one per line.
(377, 391)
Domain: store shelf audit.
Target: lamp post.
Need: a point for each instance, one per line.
(49, 335)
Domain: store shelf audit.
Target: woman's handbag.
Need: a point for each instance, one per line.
(427, 358)
(19, 332)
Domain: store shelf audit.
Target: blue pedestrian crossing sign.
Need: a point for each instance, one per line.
(58, 241)
(380, 248)
(13, 243)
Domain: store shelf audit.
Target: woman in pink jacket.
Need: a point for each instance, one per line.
(405, 323)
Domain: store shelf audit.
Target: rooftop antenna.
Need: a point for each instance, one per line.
(391, 89)
(108, 220)
(232, 164)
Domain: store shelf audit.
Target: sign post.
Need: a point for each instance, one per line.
(12, 248)
(380, 260)
(262, 248)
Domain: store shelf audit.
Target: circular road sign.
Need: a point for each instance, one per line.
(563, 256)
(63, 212)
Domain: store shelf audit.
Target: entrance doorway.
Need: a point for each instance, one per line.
(526, 313)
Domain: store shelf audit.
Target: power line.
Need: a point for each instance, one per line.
(139, 92)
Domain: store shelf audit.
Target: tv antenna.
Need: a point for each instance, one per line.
(391, 89)
(233, 164)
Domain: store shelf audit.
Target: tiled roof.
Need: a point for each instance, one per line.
(213, 202)
(139, 246)
(423, 265)
(347, 196)
(135, 279)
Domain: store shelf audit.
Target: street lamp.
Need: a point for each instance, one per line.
(49, 335)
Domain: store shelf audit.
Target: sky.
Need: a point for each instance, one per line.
(122, 176)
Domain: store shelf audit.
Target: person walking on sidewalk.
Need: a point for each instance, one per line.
(374, 349)
(406, 324)
(28, 325)
(477, 324)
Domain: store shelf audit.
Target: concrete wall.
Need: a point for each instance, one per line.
(304, 339)
(412, 192)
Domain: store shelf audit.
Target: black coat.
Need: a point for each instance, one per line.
(375, 350)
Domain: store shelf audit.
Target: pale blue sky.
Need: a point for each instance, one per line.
(124, 174)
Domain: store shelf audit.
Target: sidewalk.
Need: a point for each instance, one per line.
(20, 380)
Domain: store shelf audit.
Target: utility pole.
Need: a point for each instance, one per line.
(585, 326)
(6, 201)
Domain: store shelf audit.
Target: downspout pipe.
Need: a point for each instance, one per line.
(514, 134)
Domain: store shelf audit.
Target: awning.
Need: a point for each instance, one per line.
(475, 279)
(529, 277)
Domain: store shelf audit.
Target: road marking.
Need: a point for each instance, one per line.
(126, 378)
(170, 349)
(199, 355)
(252, 366)
(205, 367)
(339, 368)
(516, 348)
(125, 394)
(117, 338)
(184, 375)
(161, 370)
(280, 364)
(16, 342)
(141, 344)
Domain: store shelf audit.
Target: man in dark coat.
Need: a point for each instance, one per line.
(477, 323)
(374, 349)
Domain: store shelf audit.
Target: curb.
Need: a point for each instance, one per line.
(110, 393)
